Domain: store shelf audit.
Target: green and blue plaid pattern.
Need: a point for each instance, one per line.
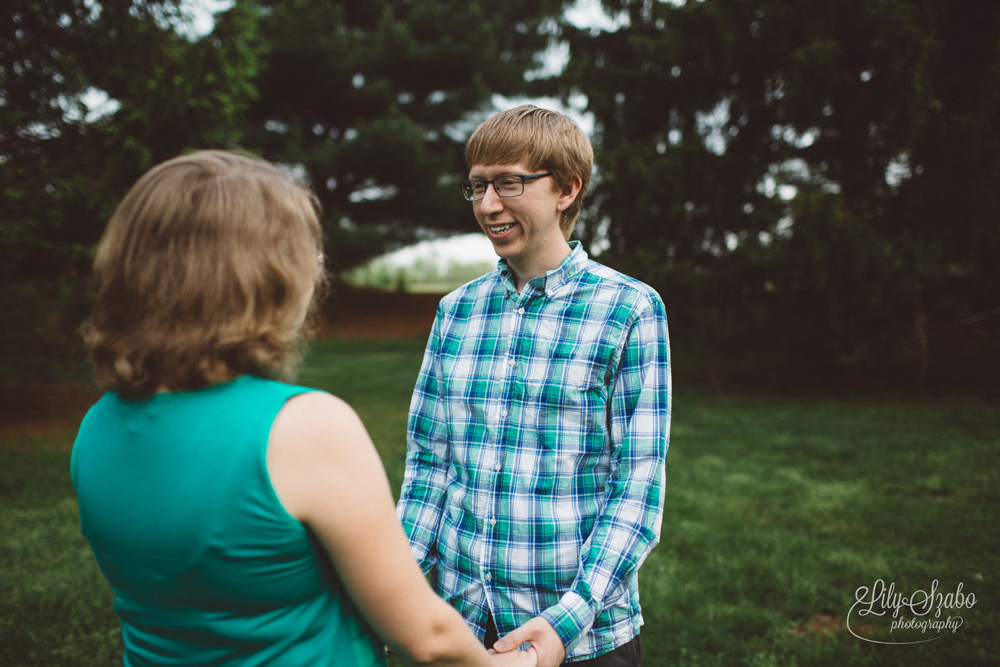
(537, 440)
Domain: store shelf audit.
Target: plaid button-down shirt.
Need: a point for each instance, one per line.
(537, 441)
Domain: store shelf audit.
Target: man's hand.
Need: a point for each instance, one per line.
(541, 636)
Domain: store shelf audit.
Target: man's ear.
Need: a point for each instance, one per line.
(568, 193)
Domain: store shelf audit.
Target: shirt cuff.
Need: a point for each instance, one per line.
(571, 618)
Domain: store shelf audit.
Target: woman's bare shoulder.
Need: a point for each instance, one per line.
(317, 413)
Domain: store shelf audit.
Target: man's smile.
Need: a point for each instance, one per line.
(501, 229)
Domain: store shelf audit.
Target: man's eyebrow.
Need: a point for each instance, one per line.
(507, 171)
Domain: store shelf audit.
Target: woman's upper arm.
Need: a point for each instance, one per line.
(328, 475)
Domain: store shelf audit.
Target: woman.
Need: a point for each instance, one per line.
(215, 497)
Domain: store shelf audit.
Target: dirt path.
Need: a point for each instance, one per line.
(33, 410)
(357, 313)
(38, 410)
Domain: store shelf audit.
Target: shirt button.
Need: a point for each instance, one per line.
(489, 576)
(510, 362)
(493, 522)
(498, 467)
(503, 413)
(520, 311)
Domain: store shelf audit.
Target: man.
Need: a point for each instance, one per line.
(539, 424)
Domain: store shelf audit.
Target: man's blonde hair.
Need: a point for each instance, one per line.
(540, 139)
(204, 273)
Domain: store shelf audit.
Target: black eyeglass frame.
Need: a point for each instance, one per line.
(524, 179)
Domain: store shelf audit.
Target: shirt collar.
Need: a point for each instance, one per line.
(552, 280)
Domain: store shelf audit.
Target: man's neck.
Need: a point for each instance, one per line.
(541, 265)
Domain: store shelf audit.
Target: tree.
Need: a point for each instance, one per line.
(785, 168)
(374, 100)
(65, 165)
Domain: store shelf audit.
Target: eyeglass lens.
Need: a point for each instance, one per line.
(506, 186)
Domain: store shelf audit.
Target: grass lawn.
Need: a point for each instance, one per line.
(777, 512)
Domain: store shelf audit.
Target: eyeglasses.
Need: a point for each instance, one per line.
(506, 186)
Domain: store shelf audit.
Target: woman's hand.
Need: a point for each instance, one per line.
(528, 658)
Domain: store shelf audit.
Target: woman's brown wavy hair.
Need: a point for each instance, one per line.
(206, 271)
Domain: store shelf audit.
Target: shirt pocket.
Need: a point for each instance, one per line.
(563, 417)
(564, 387)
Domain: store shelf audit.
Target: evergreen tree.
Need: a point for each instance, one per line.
(374, 101)
(875, 120)
(64, 166)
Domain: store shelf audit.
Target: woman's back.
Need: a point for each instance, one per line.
(206, 564)
(236, 522)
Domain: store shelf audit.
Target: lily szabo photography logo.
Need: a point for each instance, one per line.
(914, 618)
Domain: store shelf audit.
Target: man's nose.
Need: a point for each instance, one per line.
(491, 201)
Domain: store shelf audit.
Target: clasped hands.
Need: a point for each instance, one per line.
(547, 649)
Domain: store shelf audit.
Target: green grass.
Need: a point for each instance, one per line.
(777, 510)
(377, 379)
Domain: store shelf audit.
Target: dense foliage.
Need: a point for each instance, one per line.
(64, 165)
(374, 100)
(810, 183)
(812, 180)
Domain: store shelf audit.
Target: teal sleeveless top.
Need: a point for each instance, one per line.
(206, 565)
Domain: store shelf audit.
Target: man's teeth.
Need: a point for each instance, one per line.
(500, 229)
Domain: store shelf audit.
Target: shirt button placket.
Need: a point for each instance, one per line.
(515, 321)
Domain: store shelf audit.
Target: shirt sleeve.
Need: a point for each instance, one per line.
(421, 501)
(639, 431)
